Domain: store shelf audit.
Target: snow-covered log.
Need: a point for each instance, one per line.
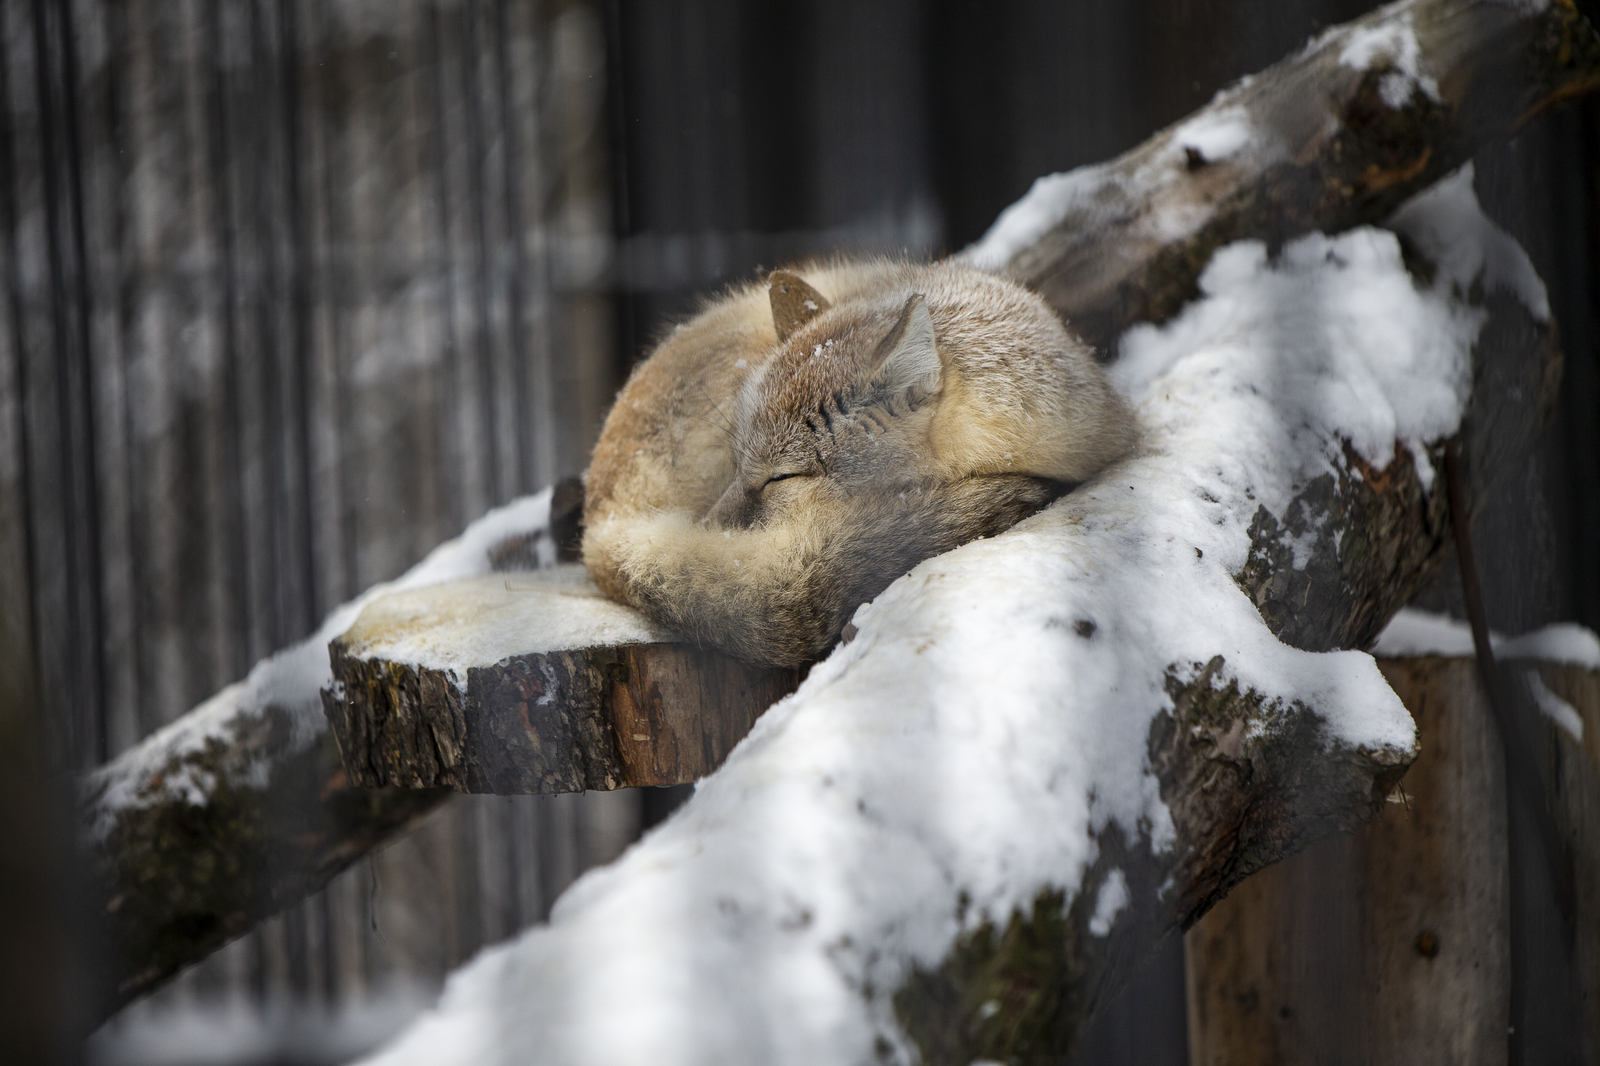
(1322, 521)
(241, 807)
(1040, 753)
(1339, 135)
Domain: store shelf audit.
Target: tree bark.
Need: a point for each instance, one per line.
(1327, 152)
(219, 836)
(542, 719)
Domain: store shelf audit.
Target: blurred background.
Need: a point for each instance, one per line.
(292, 290)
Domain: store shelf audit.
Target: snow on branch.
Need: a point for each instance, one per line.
(242, 806)
(1040, 753)
(1366, 115)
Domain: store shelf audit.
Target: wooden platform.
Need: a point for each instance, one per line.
(532, 683)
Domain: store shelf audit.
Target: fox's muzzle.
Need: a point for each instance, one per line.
(737, 509)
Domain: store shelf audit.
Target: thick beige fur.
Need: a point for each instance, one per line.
(752, 491)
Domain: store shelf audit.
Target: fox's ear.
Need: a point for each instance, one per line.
(907, 360)
(794, 303)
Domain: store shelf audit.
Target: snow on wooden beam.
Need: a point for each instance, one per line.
(536, 683)
(1338, 135)
(242, 807)
(1331, 542)
(1043, 752)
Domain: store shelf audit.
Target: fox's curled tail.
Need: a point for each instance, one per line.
(781, 593)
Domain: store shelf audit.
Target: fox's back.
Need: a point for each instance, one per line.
(789, 451)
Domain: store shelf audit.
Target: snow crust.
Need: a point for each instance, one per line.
(291, 680)
(988, 723)
(1392, 43)
(1412, 634)
(1223, 131)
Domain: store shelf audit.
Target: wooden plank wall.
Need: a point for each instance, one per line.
(292, 291)
(281, 316)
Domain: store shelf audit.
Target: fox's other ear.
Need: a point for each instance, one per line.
(907, 360)
(794, 303)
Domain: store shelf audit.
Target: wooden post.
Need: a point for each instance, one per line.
(1393, 944)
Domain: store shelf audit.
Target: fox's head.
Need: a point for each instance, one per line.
(842, 410)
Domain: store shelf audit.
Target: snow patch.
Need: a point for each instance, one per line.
(1049, 201)
(1216, 133)
(1168, 207)
(1412, 633)
(1352, 348)
(1109, 903)
(1558, 710)
(1392, 43)
(232, 1033)
(456, 625)
(1223, 131)
(1450, 229)
(1563, 642)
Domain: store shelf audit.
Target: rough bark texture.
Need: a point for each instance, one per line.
(1243, 798)
(558, 721)
(1392, 945)
(180, 878)
(1344, 157)
(1246, 783)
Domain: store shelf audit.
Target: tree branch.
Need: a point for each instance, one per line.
(242, 807)
(1312, 143)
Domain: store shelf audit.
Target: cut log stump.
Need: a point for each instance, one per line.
(534, 683)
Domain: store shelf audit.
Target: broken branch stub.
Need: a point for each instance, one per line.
(580, 711)
(1247, 783)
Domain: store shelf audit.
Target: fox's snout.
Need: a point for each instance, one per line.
(737, 509)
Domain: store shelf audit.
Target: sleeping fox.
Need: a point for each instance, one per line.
(805, 440)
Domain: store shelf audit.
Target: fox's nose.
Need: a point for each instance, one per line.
(737, 508)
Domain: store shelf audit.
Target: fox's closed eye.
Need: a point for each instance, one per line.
(938, 376)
